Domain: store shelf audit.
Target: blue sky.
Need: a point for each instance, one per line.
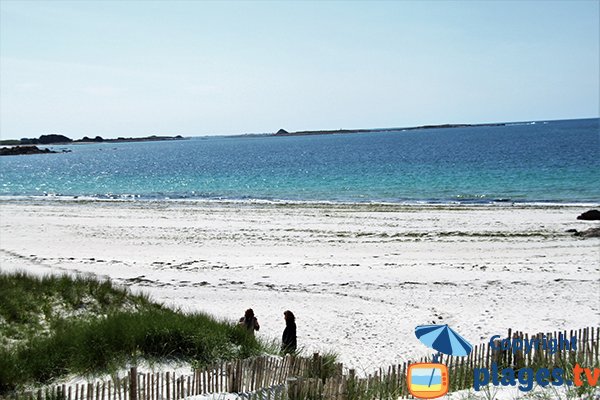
(138, 68)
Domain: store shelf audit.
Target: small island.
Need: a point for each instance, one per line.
(283, 132)
(61, 139)
(26, 150)
(28, 146)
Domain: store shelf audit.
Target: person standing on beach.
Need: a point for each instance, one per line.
(249, 321)
(288, 340)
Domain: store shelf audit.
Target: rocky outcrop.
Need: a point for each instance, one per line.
(50, 139)
(589, 233)
(591, 215)
(47, 139)
(60, 139)
(21, 150)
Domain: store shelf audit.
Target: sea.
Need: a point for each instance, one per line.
(529, 162)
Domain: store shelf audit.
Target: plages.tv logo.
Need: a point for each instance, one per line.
(427, 380)
(431, 380)
(526, 377)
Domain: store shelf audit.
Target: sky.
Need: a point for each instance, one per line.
(191, 68)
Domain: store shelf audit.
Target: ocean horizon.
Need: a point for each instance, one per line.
(531, 162)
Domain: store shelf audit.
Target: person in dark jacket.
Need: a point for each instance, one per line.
(249, 321)
(288, 340)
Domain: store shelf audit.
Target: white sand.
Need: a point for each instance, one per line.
(358, 277)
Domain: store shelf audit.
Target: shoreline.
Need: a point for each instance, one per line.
(133, 199)
(358, 277)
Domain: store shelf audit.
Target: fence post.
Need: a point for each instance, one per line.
(133, 383)
(293, 388)
(519, 360)
(168, 386)
(316, 365)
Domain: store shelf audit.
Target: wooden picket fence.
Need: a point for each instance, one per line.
(390, 383)
(317, 377)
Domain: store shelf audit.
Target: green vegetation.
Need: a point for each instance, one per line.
(10, 142)
(325, 367)
(54, 326)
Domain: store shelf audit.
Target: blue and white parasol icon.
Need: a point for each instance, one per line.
(443, 339)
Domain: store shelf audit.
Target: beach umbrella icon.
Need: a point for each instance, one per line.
(443, 339)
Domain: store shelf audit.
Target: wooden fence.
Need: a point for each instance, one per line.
(390, 383)
(293, 378)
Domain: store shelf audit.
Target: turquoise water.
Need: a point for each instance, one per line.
(554, 161)
(426, 376)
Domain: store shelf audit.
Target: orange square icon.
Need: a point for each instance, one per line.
(427, 380)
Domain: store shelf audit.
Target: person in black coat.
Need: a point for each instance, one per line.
(288, 340)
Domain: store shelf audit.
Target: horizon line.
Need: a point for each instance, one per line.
(349, 130)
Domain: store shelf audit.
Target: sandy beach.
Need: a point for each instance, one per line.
(358, 277)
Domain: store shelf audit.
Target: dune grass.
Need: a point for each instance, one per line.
(55, 326)
(32, 306)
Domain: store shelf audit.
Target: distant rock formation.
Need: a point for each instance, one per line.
(47, 139)
(87, 139)
(591, 215)
(60, 139)
(23, 150)
(589, 233)
(283, 132)
(50, 139)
